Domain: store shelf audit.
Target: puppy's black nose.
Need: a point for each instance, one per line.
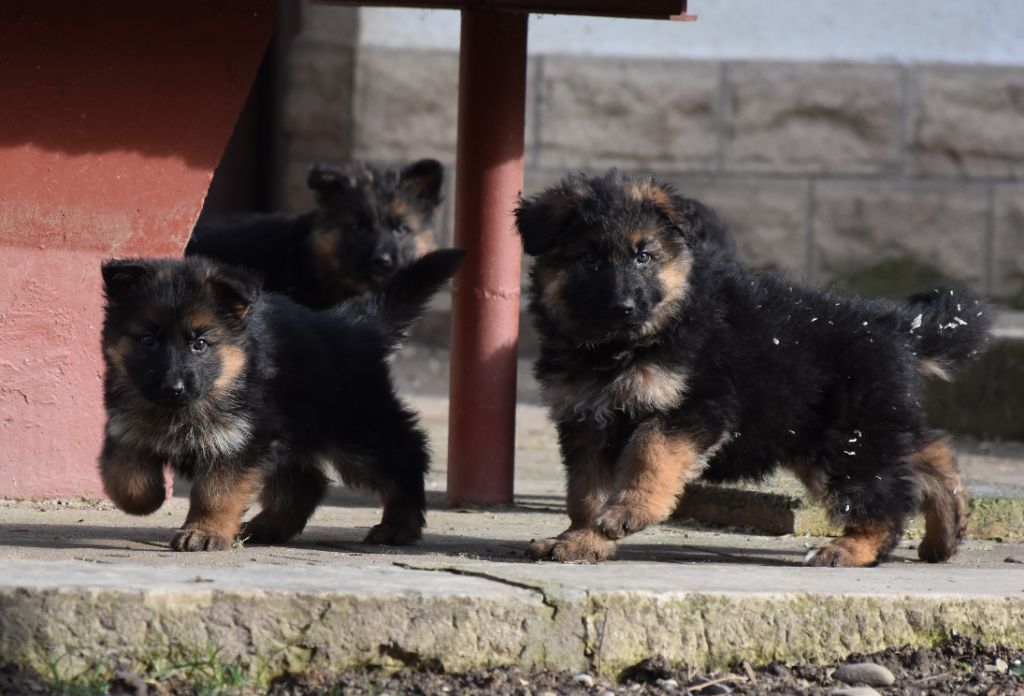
(623, 308)
(173, 389)
(383, 261)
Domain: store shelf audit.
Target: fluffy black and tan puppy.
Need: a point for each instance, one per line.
(664, 360)
(369, 222)
(248, 394)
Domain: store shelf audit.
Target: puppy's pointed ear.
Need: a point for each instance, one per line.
(703, 226)
(124, 275)
(327, 183)
(423, 179)
(543, 217)
(235, 290)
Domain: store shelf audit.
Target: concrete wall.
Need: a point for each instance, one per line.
(107, 148)
(827, 156)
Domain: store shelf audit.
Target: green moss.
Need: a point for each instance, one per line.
(986, 399)
(892, 278)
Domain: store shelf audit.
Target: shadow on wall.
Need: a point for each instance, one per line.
(77, 79)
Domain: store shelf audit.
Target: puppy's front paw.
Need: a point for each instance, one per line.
(574, 546)
(617, 520)
(198, 539)
(393, 534)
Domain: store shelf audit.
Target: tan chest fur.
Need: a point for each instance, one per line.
(636, 390)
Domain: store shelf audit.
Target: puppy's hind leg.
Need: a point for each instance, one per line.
(873, 507)
(944, 500)
(403, 519)
(289, 497)
(395, 469)
(860, 545)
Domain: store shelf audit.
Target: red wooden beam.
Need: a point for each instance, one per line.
(635, 9)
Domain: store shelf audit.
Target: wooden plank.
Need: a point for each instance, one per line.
(635, 9)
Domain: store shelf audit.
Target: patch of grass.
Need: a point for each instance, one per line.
(91, 681)
(203, 672)
(210, 674)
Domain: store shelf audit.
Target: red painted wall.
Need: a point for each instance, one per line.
(113, 116)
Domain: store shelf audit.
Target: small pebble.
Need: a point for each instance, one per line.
(716, 689)
(583, 679)
(864, 673)
(1000, 666)
(854, 691)
(667, 684)
(547, 693)
(126, 682)
(607, 692)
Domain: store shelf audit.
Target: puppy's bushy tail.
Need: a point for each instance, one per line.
(948, 327)
(403, 300)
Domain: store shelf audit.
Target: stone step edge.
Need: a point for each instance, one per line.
(780, 513)
(82, 630)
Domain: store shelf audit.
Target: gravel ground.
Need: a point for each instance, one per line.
(958, 667)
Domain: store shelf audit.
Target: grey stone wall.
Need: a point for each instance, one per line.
(316, 75)
(821, 169)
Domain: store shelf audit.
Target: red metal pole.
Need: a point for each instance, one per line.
(485, 294)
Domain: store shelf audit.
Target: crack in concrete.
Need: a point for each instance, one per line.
(704, 629)
(594, 658)
(546, 599)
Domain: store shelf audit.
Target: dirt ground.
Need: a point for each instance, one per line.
(959, 666)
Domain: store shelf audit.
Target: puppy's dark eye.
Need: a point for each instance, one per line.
(643, 257)
(148, 340)
(590, 259)
(199, 345)
(401, 228)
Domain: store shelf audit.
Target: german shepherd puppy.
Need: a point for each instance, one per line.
(664, 359)
(248, 394)
(369, 222)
